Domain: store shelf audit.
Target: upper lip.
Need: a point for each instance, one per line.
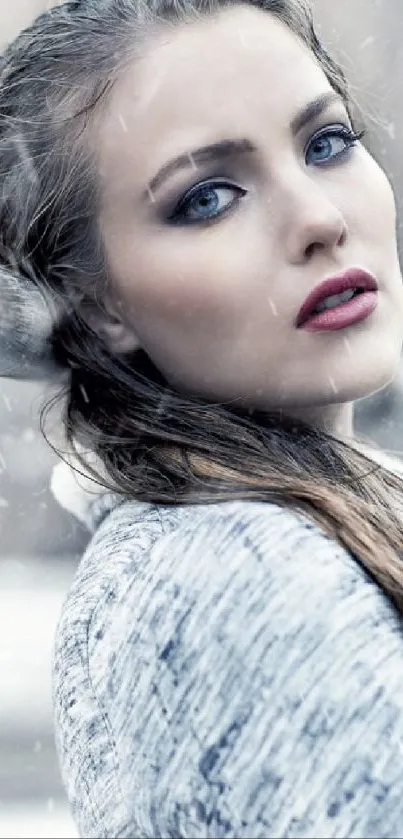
(354, 278)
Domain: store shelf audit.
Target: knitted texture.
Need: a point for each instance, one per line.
(227, 671)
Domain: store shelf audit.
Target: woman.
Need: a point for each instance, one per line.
(186, 180)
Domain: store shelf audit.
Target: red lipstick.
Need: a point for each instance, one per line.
(316, 317)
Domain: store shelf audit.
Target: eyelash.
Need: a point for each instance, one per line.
(342, 132)
(197, 191)
(178, 216)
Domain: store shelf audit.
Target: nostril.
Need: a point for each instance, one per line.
(312, 248)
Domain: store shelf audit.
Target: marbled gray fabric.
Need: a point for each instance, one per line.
(27, 318)
(227, 670)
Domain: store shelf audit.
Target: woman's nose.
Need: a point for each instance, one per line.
(315, 224)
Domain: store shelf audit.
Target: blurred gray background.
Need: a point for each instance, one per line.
(40, 544)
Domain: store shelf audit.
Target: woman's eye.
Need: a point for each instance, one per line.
(205, 202)
(330, 145)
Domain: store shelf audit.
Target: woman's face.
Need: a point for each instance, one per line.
(231, 187)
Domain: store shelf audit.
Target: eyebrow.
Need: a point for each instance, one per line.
(314, 110)
(231, 148)
(205, 154)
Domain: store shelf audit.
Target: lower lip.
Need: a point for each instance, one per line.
(346, 314)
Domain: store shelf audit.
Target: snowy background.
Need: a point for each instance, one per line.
(40, 545)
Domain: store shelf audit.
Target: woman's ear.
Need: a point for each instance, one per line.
(107, 322)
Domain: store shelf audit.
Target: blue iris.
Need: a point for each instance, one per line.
(207, 201)
(330, 145)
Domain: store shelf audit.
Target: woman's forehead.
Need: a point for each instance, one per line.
(198, 81)
(202, 61)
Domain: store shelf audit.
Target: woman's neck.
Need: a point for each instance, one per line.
(337, 420)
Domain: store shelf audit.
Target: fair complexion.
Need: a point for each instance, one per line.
(211, 254)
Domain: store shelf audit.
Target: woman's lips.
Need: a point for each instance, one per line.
(346, 313)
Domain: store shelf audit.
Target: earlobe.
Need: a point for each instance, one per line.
(118, 336)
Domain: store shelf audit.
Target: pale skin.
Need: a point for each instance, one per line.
(214, 302)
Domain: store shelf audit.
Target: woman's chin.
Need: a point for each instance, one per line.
(360, 384)
(338, 388)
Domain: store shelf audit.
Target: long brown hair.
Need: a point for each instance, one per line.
(155, 443)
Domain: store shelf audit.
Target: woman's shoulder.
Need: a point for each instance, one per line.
(130, 535)
(219, 618)
(140, 549)
(134, 541)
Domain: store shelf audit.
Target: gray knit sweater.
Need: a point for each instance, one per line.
(227, 671)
